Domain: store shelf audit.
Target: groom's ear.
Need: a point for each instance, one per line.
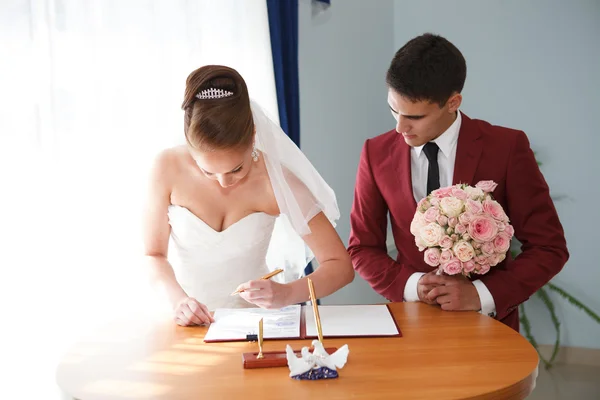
(454, 102)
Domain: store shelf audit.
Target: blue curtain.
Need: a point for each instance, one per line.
(283, 27)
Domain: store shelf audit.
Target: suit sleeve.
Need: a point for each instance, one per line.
(537, 227)
(368, 229)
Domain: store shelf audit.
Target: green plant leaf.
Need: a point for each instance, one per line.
(574, 302)
(527, 328)
(541, 293)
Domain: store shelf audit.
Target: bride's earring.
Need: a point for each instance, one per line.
(254, 154)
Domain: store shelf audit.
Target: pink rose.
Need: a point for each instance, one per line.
(481, 259)
(494, 209)
(432, 256)
(474, 207)
(434, 201)
(469, 266)
(454, 237)
(452, 221)
(423, 205)
(442, 192)
(501, 243)
(483, 269)
(509, 231)
(482, 228)
(487, 186)
(460, 229)
(488, 248)
(445, 257)
(465, 217)
(463, 251)
(431, 214)
(459, 194)
(431, 234)
(446, 242)
(442, 220)
(452, 267)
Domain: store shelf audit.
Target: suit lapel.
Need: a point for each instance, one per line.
(468, 152)
(400, 153)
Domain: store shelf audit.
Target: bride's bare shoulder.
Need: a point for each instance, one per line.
(169, 162)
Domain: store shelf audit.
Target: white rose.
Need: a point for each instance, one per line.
(431, 234)
(451, 206)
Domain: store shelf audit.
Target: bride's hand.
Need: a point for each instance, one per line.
(265, 293)
(190, 312)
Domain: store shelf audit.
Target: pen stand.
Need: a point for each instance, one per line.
(271, 359)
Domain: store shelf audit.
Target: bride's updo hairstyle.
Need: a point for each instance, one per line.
(217, 110)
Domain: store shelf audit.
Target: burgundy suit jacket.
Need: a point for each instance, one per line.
(484, 152)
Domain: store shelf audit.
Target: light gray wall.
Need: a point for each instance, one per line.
(531, 66)
(534, 65)
(344, 52)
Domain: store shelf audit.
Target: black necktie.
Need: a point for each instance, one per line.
(433, 171)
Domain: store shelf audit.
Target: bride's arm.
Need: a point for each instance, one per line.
(156, 243)
(156, 230)
(334, 272)
(335, 267)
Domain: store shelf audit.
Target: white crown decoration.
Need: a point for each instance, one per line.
(213, 93)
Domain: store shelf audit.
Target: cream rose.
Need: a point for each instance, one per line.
(431, 234)
(417, 223)
(463, 251)
(451, 206)
(474, 193)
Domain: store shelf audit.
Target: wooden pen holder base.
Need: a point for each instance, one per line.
(271, 358)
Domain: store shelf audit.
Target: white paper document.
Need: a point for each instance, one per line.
(349, 321)
(235, 323)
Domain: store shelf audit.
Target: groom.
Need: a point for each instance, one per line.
(435, 145)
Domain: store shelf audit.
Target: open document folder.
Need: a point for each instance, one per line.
(296, 322)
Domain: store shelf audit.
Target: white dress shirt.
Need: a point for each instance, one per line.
(419, 165)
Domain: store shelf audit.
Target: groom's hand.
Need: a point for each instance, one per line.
(453, 293)
(423, 289)
(265, 293)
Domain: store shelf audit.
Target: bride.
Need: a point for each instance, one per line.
(237, 201)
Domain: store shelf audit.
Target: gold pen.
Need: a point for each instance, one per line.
(313, 300)
(260, 339)
(264, 278)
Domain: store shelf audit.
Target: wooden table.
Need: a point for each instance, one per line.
(442, 355)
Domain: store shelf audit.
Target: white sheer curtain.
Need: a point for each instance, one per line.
(90, 92)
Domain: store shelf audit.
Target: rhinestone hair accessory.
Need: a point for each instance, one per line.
(212, 93)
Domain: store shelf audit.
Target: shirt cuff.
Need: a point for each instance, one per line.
(488, 306)
(410, 290)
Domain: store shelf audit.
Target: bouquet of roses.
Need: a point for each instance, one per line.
(462, 229)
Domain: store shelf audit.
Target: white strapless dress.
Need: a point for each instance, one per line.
(209, 265)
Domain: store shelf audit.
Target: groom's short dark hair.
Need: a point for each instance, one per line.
(428, 67)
